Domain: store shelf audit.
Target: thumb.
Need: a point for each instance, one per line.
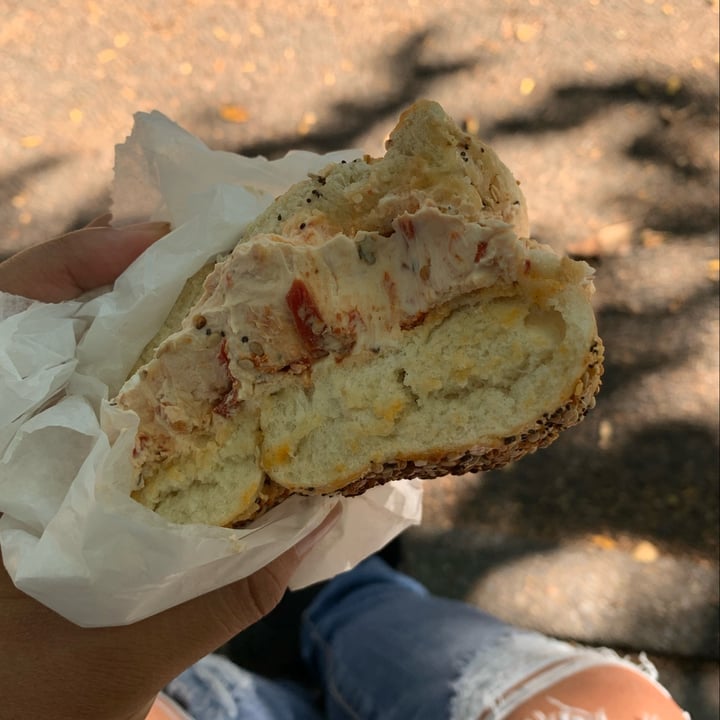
(184, 634)
(66, 267)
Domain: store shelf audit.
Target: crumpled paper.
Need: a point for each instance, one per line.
(71, 536)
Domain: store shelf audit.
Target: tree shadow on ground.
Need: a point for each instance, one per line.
(646, 341)
(13, 183)
(650, 342)
(579, 591)
(661, 482)
(673, 139)
(658, 483)
(348, 120)
(574, 104)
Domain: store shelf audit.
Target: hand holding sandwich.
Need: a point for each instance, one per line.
(58, 669)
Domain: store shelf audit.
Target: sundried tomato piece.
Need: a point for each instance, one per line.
(308, 321)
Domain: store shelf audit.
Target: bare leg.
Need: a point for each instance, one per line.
(604, 692)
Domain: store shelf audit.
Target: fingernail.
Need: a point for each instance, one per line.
(311, 540)
(160, 227)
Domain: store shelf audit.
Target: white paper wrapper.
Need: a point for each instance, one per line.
(71, 536)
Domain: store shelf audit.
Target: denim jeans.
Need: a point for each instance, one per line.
(380, 647)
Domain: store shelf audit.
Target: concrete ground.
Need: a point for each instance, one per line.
(606, 110)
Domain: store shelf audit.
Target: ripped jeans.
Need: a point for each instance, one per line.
(380, 647)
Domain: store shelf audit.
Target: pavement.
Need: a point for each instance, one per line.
(606, 110)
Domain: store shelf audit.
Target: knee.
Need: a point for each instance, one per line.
(602, 692)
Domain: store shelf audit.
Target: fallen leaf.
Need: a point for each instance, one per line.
(614, 239)
(604, 542)
(234, 113)
(525, 32)
(306, 123)
(220, 33)
(651, 238)
(471, 125)
(506, 28)
(605, 434)
(257, 30)
(673, 85)
(31, 141)
(94, 13)
(646, 552)
(120, 40)
(713, 268)
(106, 56)
(527, 85)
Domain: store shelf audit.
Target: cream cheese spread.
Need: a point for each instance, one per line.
(277, 305)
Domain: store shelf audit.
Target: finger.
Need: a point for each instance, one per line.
(98, 256)
(184, 634)
(65, 267)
